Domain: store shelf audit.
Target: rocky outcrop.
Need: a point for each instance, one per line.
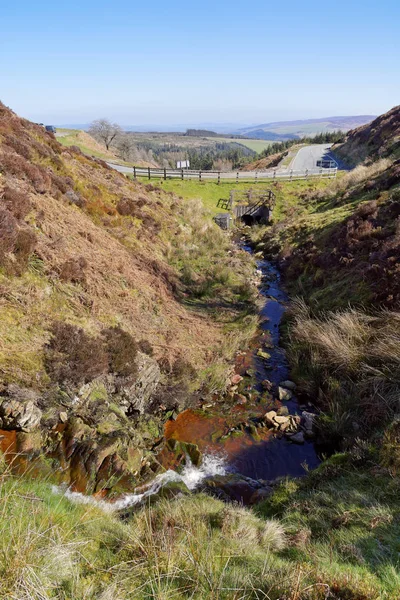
(135, 395)
(19, 410)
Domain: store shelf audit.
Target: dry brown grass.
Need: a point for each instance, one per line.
(92, 265)
(351, 360)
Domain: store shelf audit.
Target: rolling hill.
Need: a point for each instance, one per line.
(283, 130)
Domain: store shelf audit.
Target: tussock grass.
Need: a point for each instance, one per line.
(350, 361)
(198, 547)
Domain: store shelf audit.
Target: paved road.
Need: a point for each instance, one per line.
(307, 157)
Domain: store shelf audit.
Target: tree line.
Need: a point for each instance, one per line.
(332, 137)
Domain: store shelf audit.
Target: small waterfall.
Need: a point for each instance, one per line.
(190, 475)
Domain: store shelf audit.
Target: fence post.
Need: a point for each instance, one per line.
(149, 172)
(134, 172)
(291, 173)
(255, 177)
(199, 175)
(165, 173)
(182, 174)
(237, 177)
(219, 177)
(275, 174)
(306, 173)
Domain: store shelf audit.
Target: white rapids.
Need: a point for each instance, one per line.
(190, 475)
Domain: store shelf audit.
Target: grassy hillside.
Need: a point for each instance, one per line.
(256, 145)
(117, 302)
(81, 139)
(333, 535)
(97, 271)
(378, 139)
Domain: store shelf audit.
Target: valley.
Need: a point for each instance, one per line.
(190, 412)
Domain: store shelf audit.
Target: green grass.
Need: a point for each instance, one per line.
(71, 139)
(256, 145)
(210, 192)
(337, 531)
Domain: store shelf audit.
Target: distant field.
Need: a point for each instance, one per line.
(256, 145)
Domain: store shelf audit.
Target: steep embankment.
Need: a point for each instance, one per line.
(339, 250)
(108, 310)
(378, 139)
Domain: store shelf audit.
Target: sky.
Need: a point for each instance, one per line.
(166, 63)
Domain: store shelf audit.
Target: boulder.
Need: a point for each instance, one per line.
(297, 438)
(308, 420)
(269, 417)
(283, 411)
(262, 354)
(290, 385)
(260, 495)
(284, 394)
(63, 416)
(135, 395)
(236, 378)
(230, 488)
(18, 410)
(281, 420)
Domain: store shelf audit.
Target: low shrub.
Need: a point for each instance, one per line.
(8, 232)
(16, 243)
(127, 207)
(122, 351)
(16, 202)
(17, 145)
(19, 167)
(73, 270)
(145, 347)
(72, 356)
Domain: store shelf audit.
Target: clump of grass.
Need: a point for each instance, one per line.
(350, 362)
(197, 547)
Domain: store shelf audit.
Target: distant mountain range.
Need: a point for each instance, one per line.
(283, 130)
(276, 131)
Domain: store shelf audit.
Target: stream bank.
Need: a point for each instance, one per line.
(258, 429)
(238, 445)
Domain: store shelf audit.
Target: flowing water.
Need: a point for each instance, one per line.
(261, 454)
(265, 456)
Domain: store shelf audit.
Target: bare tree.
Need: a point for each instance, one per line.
(126, 146)
(102, 129)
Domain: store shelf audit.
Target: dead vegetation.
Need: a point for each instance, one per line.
(88, 244)
(349, 362)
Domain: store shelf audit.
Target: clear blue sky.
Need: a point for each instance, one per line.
(195, 62)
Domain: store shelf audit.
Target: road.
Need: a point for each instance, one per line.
(307, 157)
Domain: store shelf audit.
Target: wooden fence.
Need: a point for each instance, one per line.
(218, 176)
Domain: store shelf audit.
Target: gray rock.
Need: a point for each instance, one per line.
(308, 420)
(297, 438)
(18, 410)
(284, 394)
(63, 416)
(290, 385)
(136, 395)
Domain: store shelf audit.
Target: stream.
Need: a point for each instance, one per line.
(230, 433)
(266, 455)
